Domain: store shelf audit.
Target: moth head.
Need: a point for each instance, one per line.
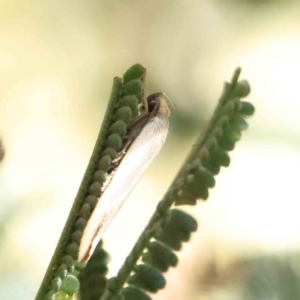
(159, 101)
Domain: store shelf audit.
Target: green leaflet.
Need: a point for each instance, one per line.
(211, 152)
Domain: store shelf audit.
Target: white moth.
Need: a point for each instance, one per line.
(145, 145)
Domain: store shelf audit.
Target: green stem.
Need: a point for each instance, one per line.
(82, 192)
(228, 88)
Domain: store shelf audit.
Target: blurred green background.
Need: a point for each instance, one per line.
(57, 62)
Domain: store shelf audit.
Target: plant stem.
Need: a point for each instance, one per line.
(82, 192)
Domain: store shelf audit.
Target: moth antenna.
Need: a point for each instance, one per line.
(169, 100)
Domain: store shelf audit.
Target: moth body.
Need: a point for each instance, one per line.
(135, 161)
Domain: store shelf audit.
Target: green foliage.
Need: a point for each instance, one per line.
(223, 132)
(271, 277)
(93, 278)
(131, 293)
(159, 256)
(147, 278)
(176, 229)
(137, 71)
(168, 228)
(107, 148)
(172, 227)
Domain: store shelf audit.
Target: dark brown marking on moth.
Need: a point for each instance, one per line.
(153, 105)
(153, 101)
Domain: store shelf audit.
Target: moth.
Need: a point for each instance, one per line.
(144, 141)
